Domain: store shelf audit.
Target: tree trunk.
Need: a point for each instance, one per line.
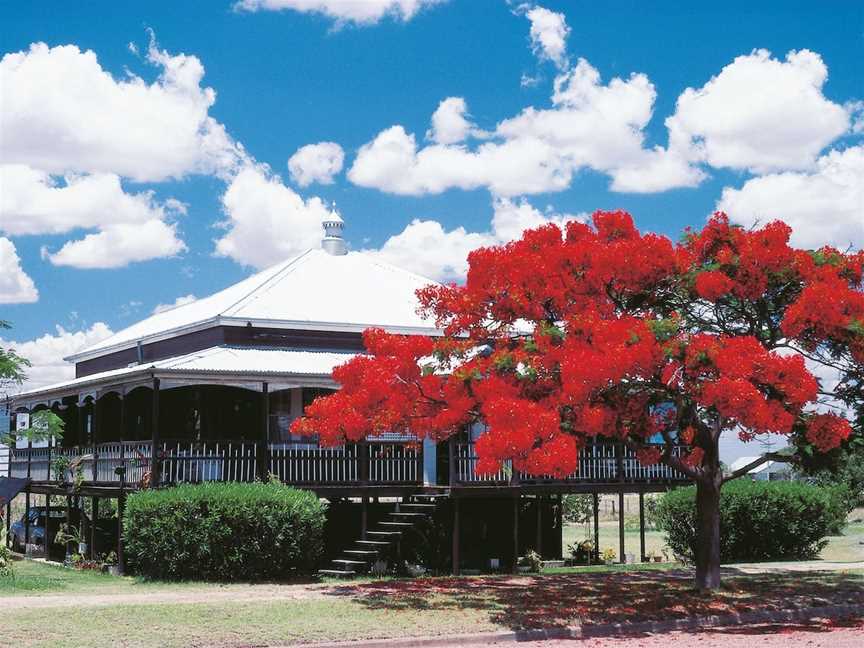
(707, 552)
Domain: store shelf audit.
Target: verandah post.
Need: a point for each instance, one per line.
(539, 541)
(456, 540)
(623, 558)
(596, 527)
(264, 444)
(27, 496)
(48, 540)
(516, 501)
(94, 505)
(155, 466)
(642, 524)
(121, 510)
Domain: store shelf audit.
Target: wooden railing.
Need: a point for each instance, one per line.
(601, 463)
(378, 462)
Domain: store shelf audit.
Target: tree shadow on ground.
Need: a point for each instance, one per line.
(524, 602)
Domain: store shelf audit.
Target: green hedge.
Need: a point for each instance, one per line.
(758, 520)
(223, 532)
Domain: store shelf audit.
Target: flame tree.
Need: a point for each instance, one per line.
(602, 331)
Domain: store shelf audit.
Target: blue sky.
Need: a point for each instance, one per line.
(781, 135)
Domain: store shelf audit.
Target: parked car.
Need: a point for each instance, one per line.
(37, 527)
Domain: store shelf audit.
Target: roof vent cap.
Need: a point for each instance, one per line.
(333, 243)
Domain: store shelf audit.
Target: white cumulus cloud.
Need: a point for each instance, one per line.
(46, 353)
(266, 221)
(316, 163)
(430, 250)
(34, 202)
(590, 125)
(548, 34)
(824, 206)
(62, 113)
(72, 134)
(16, 287)
(180, 301)
(359, 12)
(449, 122)
(118, 245)
(760, 114)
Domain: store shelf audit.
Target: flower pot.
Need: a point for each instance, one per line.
(658, 559)
(82, 548)
(114, 570)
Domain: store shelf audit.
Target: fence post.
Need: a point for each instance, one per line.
(363, 458)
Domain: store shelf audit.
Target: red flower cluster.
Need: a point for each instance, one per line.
(827, 431)
(712, 285)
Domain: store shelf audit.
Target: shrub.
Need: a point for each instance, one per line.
(758, 520)
(223, 531)
(6, 570)
(842, 501)
(577, 509)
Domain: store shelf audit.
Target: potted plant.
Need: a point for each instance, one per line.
(60, 466)
(70, 536)
(530, 563)
(608, 555)
(109, 564)
(581, 553)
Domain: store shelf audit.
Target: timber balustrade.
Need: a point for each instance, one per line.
(376, 462)
(600, 463)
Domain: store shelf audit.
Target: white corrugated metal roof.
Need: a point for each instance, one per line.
(316, 290)
(770, 466)
(221, 360)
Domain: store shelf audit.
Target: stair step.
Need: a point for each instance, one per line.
(337, 573)
(384, 533)
(401, 525)
(361, 552)
(373, 543)
(408, 514)
(346, 561)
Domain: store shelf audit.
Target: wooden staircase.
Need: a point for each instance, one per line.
(383, 537)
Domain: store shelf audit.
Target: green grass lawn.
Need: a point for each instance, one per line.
(847, 547)
(420, 607)
(40, 579)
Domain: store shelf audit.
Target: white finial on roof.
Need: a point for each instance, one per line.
(333, 243)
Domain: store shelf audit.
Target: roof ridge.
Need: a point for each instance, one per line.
(289, 265)
(395, 268)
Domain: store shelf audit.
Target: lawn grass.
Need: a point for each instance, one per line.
(846, 547)
(421, 607)
(36, 578)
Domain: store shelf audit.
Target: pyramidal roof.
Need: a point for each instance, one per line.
(317, 290)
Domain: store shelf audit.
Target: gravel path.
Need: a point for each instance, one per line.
(240, 594)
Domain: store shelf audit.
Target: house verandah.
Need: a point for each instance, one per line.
(154, 426)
